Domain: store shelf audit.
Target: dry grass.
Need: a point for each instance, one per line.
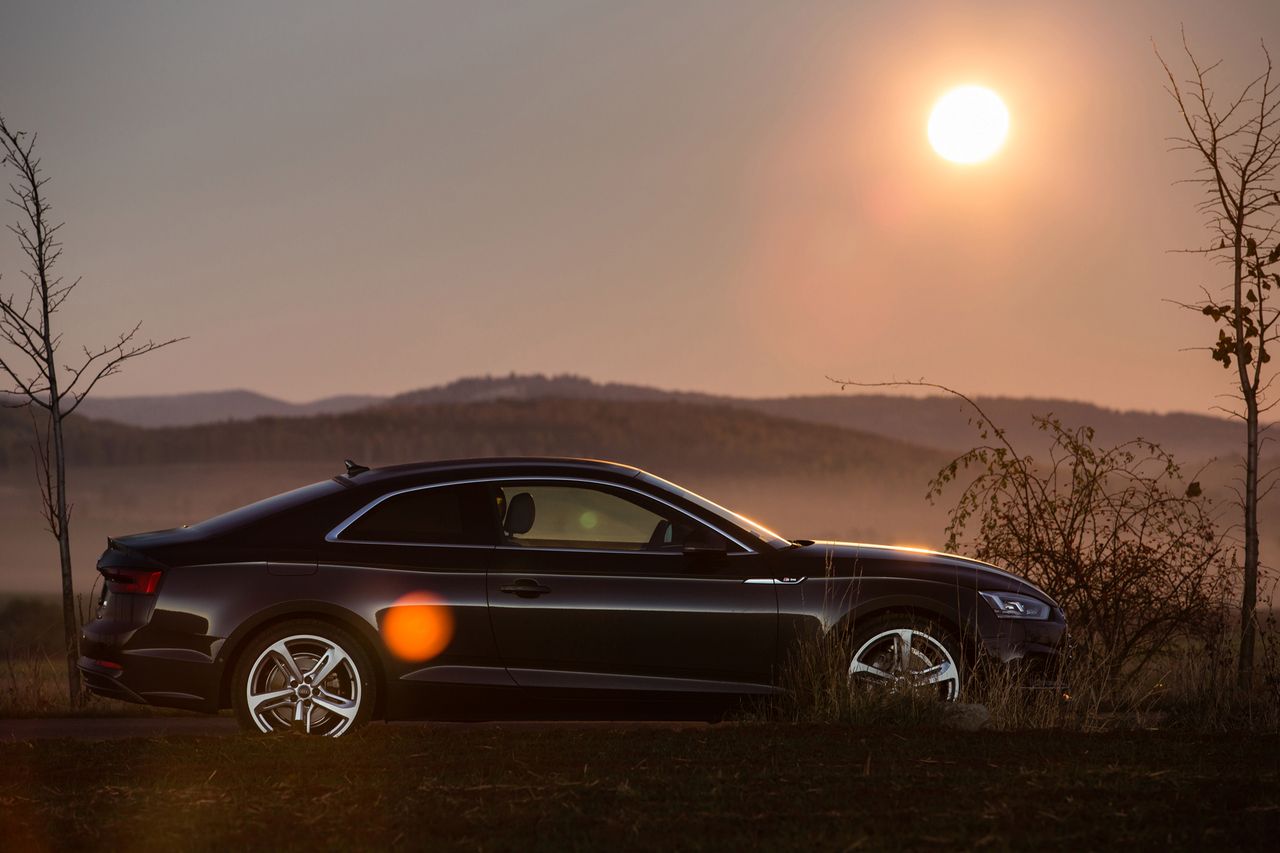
(31, 686)
(1191, 687)
(36, 686)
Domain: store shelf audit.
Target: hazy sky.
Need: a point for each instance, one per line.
(735, 197)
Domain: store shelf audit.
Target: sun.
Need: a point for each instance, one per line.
(968, 124)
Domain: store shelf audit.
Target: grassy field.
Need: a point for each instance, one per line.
(723, 787)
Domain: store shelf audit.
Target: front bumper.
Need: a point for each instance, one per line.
(1038, 650)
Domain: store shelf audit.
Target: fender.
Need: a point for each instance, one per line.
(955, 611)
(299, 609)
(867, 609)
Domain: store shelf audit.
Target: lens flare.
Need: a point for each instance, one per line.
(417, 627)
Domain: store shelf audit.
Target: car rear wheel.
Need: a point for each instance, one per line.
(304, 676)
(901, 652)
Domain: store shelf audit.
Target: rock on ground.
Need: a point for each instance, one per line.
(966, 717)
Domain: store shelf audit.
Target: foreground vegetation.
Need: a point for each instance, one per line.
(762, 787)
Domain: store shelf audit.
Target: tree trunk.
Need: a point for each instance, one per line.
(70, 621)
(1249, 392)
(59, 515)
(1248, 600)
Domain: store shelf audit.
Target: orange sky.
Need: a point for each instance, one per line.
(734, 197)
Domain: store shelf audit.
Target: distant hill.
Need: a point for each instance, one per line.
(661, 435)
(479, 389)
(944, 422)
(212, 407)
(935, 421)
(161, 410)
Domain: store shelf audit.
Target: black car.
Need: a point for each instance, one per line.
(513, 588)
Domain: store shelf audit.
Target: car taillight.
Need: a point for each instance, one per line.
(138, 581)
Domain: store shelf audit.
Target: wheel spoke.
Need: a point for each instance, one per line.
(331, 660)
(299, 713)
(935, 674)
(261, 702)
(345, 708)
(902, 651)
(279, 653)
(859, 667)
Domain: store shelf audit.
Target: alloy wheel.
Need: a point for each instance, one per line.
(905, 658)
(304, 683)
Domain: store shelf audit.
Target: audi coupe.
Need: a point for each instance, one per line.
(521, 587)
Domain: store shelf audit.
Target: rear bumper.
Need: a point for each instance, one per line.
(137, 651)
(106, 681)
(169, 678)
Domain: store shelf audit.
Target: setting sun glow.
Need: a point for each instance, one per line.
(968, 124)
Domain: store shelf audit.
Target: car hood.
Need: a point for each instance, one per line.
(903, 556)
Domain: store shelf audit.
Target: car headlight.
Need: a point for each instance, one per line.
(1009, 605)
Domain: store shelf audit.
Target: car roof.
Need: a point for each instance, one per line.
(491, 466)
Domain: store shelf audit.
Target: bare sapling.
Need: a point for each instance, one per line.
(32, 359)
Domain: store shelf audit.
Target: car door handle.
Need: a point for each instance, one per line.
(526, 588)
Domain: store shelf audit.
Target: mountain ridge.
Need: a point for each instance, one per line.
(658, 434)
(933, 421)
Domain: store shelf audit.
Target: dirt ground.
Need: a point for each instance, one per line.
(730, 786)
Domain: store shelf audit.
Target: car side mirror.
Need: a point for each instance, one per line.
(705, 544)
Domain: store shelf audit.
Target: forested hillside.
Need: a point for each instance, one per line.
(932, 421)
(659, 435)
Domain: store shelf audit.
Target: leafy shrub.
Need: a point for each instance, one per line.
(1115, 534)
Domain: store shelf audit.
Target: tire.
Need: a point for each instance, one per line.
(932, 652)
(272, 691)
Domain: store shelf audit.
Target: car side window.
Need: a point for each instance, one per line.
(448, 515)
(587, 517)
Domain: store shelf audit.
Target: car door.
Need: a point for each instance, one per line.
(600, 586)
(424, 545)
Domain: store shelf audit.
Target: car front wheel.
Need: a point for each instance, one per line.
(907, 652)
(304, 676)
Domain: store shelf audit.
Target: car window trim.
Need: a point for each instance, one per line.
(332, 535)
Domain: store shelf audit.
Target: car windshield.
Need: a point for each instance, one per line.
(759, 530)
